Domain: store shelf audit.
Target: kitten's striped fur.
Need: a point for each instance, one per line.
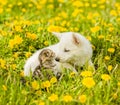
(46, 60)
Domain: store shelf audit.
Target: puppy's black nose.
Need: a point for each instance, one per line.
(57, 59)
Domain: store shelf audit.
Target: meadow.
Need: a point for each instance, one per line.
(26, 26)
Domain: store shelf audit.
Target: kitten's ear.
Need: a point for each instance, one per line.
(76, 39)
(57, 34)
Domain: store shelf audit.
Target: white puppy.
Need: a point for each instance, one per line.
(33, 62)
(74, 49)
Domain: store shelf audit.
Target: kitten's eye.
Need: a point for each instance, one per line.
(47, 54)
(66, 50)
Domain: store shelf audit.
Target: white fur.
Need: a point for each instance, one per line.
(33, 61)
(80, 48)
(80, 53)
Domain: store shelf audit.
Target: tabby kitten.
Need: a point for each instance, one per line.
(47, 63)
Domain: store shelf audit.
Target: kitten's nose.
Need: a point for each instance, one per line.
(57, 59)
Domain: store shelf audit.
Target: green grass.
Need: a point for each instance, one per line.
(33, 21)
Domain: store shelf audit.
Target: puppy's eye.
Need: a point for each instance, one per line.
(66, 50)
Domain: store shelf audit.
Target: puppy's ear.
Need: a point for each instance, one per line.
(76, 39)
(58, 35)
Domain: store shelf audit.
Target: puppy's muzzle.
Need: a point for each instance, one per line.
(57, 59)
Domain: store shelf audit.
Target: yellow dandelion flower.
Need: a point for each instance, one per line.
(39, 29)
(34, 36)
(107, 58)
(82, 98)
(1, 10)
(46, 43)
(67, 98)
(94, 5)
(118, 19)
(86, 73)
(38, 102)
(28, 23)
(102, 1)
(24, 10)
(87, 4)
(50, 6)
(105, 77)
(76, 29)
(38, 6)
(111, 29)
(35, 85)
(72, 74)
(89, 38)
(28, 35)
(30, 5)
(46, 84)
(53, 80)
(2, 63)
(57, 18)
(18, 28)
(118, 84)
(31, 35)
(22, 73)
(36, 22)
(90, 16)
(109, 67)
(117, 4)
(88, 82)
(11, 43)
(18, 40)
(10, 5)
(111, 50)
(53, 97)
(31, 47)
(115, 96)
(3, 33)
(52, 28)
(110, 25)
(95, 29)
(101, 37)
(16, 55)
(13, 66)
(38, 92)
(113, 13)
(61, 1)
(4, 87)
(41, 103)
(63, 14)
(43, 2)
(113, 45)
(76, 12)
(63, 23)
(19, 3)
(96, 14)
(78, 3)
(28, 54)
(102, 6)
(51, 1)
(93, 21)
